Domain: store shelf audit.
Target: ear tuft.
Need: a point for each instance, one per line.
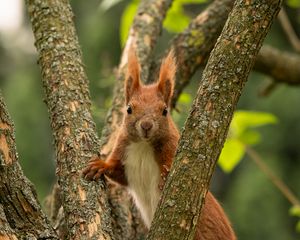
(132, 81)
(167, 77)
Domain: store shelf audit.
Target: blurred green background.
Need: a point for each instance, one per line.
(256, 208)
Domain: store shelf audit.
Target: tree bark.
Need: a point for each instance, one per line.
(56, 41)
(85, 205)
(206, 127)
(88, 211)
(143, 35)
(194, 44)
(282, 66)
(21, 216)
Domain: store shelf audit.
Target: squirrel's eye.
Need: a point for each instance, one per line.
(129, 109)
(165, 112)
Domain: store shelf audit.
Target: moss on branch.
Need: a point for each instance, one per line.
(206, 127)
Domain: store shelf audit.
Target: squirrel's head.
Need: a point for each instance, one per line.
(147, 115)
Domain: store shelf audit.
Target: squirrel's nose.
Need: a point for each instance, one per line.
(146, 125)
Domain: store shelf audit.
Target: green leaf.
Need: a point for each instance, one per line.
(176, 20)
(232, 153)
(293, 3)
(295, 211)
(126, 20)
(241, 134)
(250, 137)
(185, 98)
(298, 226)
(247, 119)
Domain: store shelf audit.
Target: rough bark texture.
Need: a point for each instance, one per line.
(21, 216)
(195, 43)
(143, 35)
(85, 206)
(5, 230)
(207, 125)
(85, 211)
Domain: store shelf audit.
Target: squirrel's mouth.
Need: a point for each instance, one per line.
(146, 135)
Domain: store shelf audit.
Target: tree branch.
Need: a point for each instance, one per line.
(21, 216)
(283, 67)
(206, 127)
(6, 232)
(195, 43)
(278, 183)
(143, 36)
(65, 83)
(289, 30)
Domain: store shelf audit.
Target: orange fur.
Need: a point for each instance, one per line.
(132, 82)
(167, 76)
(148, 105)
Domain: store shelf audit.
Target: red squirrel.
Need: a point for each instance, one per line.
(145, 148)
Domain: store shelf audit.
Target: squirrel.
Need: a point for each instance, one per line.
(145, 148)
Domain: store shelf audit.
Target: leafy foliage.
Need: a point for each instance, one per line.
(127, 19)
(295, 211)
(175, 21)
(185, 98)
(242, 133)
(293, 3)
(232, 153)
(248, 188)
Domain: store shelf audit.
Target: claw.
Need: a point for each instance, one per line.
(97, 175)
(85, 171)
(94, 170)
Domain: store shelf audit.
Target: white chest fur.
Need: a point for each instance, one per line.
(143, 177)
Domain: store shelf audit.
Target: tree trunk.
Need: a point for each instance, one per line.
(143, 35)
(206, 127)
(83, 210)
(85, 206)
(21, 216)
(195, 43)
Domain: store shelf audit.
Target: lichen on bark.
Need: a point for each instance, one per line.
(143, 35)
(206, 127)
(21, 216)
(85, 205)
(194, 44)
(146, 28)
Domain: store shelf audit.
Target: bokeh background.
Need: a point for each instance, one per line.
(255, 206)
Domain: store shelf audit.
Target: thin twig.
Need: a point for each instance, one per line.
(267, 89)
(289, 30)
(283, 188)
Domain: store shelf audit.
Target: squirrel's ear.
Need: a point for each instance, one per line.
(132, 81)
(167, 77)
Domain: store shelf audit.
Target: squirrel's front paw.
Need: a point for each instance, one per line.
(96, 167)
